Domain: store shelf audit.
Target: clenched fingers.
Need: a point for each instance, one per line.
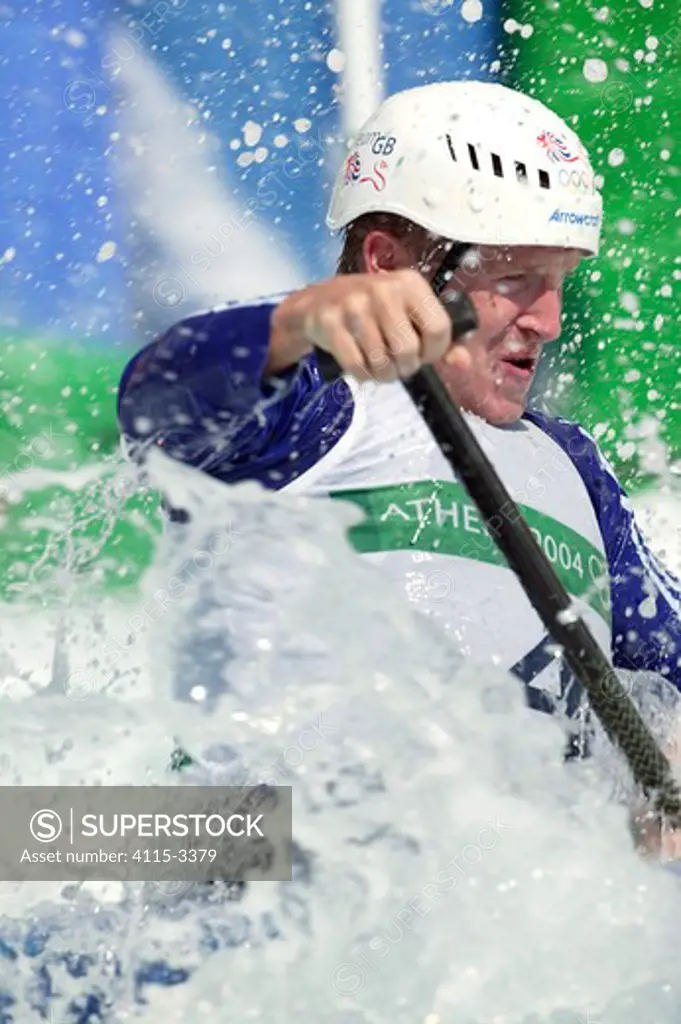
(431, 319)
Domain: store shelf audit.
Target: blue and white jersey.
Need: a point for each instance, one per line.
(199, 392)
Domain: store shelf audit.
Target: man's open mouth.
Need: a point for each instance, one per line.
(526, 363)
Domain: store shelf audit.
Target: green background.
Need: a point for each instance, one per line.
(620, 355)
(57, 417)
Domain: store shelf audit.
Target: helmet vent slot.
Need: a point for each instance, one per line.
(451, 148)
(520, 171)
(496, 164)
(544, 181)
(474, 157)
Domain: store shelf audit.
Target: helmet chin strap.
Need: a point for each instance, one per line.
(449, 265)
(457, 303)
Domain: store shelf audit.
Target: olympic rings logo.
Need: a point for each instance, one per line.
(570, 178)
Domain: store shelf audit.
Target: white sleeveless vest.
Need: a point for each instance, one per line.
(425, 534)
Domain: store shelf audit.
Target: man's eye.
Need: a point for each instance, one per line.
(512, 282)
(515, 283)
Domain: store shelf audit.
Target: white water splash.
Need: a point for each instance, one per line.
(434, 817)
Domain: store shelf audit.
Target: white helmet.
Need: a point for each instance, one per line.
(472, 162)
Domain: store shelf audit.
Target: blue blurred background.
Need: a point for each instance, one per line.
(135, 135)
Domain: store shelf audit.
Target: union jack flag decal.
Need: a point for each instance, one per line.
(556, 147)
(353, 167)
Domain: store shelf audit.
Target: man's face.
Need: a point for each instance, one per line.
(517, 294)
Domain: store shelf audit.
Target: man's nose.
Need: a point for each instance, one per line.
(543, 317)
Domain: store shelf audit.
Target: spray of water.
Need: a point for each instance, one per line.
(448, 865)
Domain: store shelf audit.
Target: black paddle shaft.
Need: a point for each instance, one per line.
(554, 606)
(608, 697)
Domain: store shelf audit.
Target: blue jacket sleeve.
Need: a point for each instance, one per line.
(200, 393)
(646, 598)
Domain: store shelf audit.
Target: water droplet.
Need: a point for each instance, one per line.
(106, 252)
(476, 200)
(471, 11)
(74, 37)
(252, 133)
(335, 60)
(630, 302)
(626, 226)
(595, 70)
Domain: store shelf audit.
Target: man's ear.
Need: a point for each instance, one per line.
(383, 251)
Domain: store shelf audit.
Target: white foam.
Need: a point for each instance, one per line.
(423, 772)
